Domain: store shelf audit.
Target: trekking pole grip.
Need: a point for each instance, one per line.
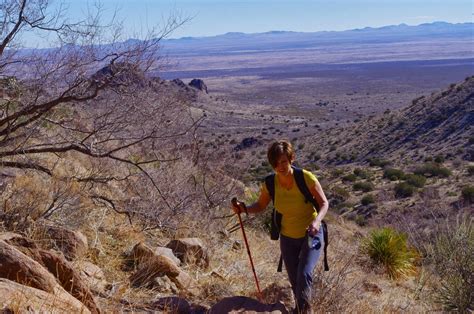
(236, 204)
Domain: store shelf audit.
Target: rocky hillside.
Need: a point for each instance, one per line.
(437, 124)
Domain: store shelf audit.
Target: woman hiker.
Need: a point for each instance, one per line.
(299, 220)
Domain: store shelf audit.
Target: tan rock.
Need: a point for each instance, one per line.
(154, 266)
(141, 252)
(168, 253)
(69, 278)
(18, 267)
(92, 275)
(24, 269)
(17, 298)
(184, 282)
(190, 251)
(242, 304)
(73, 244)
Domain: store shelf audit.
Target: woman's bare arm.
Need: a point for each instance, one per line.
(320, 197)
(262, 203)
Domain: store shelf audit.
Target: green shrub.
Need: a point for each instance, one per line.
(415, 180)
(350, 177)
(361, 173)
(451, 255)
(389, 248)
(377, 162)
(368, 199)
(439, 159)
(404, 189)
(393, 174)
(468, 194)
(433, 169)
(360, 220)
(315, 156)
(470, 170)
(337, 172)
(363, 186)
(340, 193)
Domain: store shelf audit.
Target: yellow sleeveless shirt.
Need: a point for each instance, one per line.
(297, 214)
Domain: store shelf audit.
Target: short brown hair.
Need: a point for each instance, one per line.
(278, 149)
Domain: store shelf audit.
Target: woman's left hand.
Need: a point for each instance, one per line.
(313, 228)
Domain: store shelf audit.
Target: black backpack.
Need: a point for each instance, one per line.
(276, 216)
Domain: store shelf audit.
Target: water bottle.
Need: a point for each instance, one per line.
(314, 242)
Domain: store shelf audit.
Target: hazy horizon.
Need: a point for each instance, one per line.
(216, 17)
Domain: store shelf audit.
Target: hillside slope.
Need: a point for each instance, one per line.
(437, 124)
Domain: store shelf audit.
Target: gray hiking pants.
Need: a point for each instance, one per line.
(300, 261)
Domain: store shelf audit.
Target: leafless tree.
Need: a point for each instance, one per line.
(87, 110)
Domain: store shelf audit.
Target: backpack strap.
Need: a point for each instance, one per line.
(270, 184)
(301, 183)
(324, 225)
(280, 264)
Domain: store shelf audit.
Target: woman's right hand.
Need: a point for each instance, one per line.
(238, 207)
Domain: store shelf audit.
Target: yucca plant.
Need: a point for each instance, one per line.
(389, 248)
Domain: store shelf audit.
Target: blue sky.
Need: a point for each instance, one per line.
(213, 17)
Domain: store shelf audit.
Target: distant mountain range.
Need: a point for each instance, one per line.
(283, 40)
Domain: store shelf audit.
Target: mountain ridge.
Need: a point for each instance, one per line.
(433, 25)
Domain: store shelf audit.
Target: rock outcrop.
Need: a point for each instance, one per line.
(92, 275)
(242, 304)
(17, 298)
(247, 142)
(73, 244)
(199, 84)
(151, 266)
(22, 261)
(69, 278)
(18, 267)
(190, 251)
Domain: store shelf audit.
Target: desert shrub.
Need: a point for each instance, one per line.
(439, 159)
(468, 194)
(404, 189)
(451, 255)
(316, 156)
(393, 174)
(361, 173)
(350, 177)
(368, 199)
(360, 220)
(433, 169)
(343, 205)
(415, 180)
(340, 193)
(470, 170)
(337, 172)
(363, 186)
(377, 162)
(389, 248)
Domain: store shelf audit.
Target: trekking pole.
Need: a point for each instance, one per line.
(234, 202)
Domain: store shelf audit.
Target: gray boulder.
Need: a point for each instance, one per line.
(199, 84)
